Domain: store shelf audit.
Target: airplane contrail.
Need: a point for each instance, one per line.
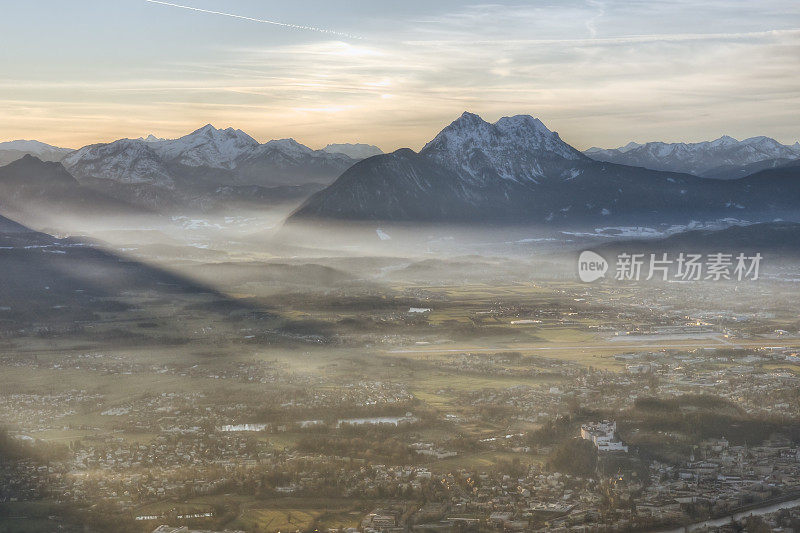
(262, 21)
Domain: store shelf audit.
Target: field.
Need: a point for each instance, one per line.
(303, 519)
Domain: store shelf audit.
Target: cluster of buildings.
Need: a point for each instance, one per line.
(201, 445)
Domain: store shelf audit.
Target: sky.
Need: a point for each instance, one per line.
(393, 73)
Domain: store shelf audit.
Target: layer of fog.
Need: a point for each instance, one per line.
(254, 253)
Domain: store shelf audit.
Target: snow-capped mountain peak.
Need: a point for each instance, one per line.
(151, 139)
(767, 145)
(468, 129)
(468, 120)
(519, 123)
(522, 131)
(288, 146)
(129, 161)
(630, 146)
(725, 140)
(222, 135)
(533, 135)
(208, 129)
(518, 148)
(207, 146)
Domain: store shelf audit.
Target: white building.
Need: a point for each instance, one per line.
(603, 436)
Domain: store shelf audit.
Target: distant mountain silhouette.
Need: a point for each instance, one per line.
(30, 184)
(12, 150)
(780, 239)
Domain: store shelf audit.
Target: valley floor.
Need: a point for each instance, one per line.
(287, 393)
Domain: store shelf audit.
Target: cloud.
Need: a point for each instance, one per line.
(626, 39)
(600, 74)
(602, 90)
(591, 24)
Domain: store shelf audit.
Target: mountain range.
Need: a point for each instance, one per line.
(516, 171)
(206, 169)
(723, 158)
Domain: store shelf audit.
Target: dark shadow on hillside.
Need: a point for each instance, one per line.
(50, 284)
